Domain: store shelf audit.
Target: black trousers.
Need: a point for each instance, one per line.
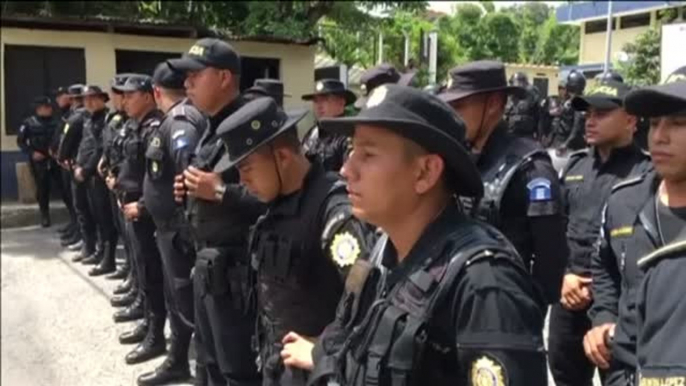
(99, 200)
(42, 173)
(84, 215)
(65, 178)
(568, 363)
(178, 256)
(149, 266)
(223, 337)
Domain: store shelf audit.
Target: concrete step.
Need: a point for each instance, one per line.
(16, 214)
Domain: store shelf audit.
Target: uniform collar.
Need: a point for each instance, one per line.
(619, 153)
(429, 244)
(290, 205)
(225, 112)
(497, 140)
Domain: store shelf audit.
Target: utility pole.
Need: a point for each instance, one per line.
(608, 42)
(433, 53)
(380, 48)
(406, 56)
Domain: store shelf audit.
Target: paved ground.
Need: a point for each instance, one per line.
(57, 326)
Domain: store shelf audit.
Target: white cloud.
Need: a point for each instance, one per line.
(447, 6)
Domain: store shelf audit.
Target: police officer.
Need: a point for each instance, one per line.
(609, 75)
(85, 172)
(107, 167)
(303, 246)
(374, 77)
(643, 215)
(568, 128)
(145, 118)
(522, 196)
(69, 234)
(444, 299)
(72, 134)
(168, 154)
(329, 100)
(588, 179)
(267, 87)
(220, 212)
(34, 139)
(551, 109)
(522, 112)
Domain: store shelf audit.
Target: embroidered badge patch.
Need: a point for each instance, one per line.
(539, 190)
(486, 372)
(345, 249)
(155, 142)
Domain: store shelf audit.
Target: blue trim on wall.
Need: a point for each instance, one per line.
(8, 160)
(598, 9)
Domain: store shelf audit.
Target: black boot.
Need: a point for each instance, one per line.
(84, 254)
(136, 335)
(66, 229)
(107, 264)
(70, 238)
(126, 285)
(45, 221)
(93, 259)
(133, 312)
(124, 300)
(174, 369)
(121, 272)
(152, 346)
(76, 246)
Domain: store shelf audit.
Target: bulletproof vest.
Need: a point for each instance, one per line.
(40, 132)
(161, 169)
(298, 285)
(72, 134)
(521, 115)
(92, 138)
(115, 152)
(115, 120)
(328, 149)
(396, 336)
(563, 123)
(134, 145)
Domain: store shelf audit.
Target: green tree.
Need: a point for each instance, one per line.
(643, 67)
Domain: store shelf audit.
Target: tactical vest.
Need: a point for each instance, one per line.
(562, 124)
(40, 133)
(395, 339)
(497, 178)
(299, 286)
(134, 145)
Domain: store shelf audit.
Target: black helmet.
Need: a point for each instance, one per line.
(610, 75)
(576, 82)
(519, 79)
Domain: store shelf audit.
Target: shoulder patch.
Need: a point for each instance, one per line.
(345, 249)
(180, 143)
(628, 182)
(675, 247)
(487, 371)
(539, 190)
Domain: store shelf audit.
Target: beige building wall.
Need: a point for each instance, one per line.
(536, 71)
(592, 48)
(297, 61)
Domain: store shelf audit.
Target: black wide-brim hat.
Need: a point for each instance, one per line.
(423, 119)
(478, 77)
(94, 91)
(252, 126)
(656, 101)
(404, 79)
(331, 87)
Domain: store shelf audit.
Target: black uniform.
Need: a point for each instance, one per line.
(460, 309)
(223, 324)
(168, 154)
(330, 150)
(142, 231)
(522, 114)
(90, 151)
(661, 312)
(35, 135)
(551, 108)
(67, 151)
(630, 231)
(64, 175)
(302, 249)
(568, 128)
(588, 183)
(523, 199)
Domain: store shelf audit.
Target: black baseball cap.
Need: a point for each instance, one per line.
(166, 77)
(208, 52)
(254, 125)
(137, 82)
(656, 101)
(423, 119)
(475, 78)
(604, 95)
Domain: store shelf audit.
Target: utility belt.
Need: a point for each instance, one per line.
(223, 273)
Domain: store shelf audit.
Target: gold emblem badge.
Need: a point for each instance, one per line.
(485, 372)
(378, 95)
(255, 124)
(197, 50)
(155, 142)
(345, 249)
(154, 167)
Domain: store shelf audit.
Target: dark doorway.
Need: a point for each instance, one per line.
(258, 68)
(542, 85)
(141, 62)
(32, 71)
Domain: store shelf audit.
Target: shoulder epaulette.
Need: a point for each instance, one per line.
(579, 153)
(667, 250)
(628, 182)
(179, 111)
